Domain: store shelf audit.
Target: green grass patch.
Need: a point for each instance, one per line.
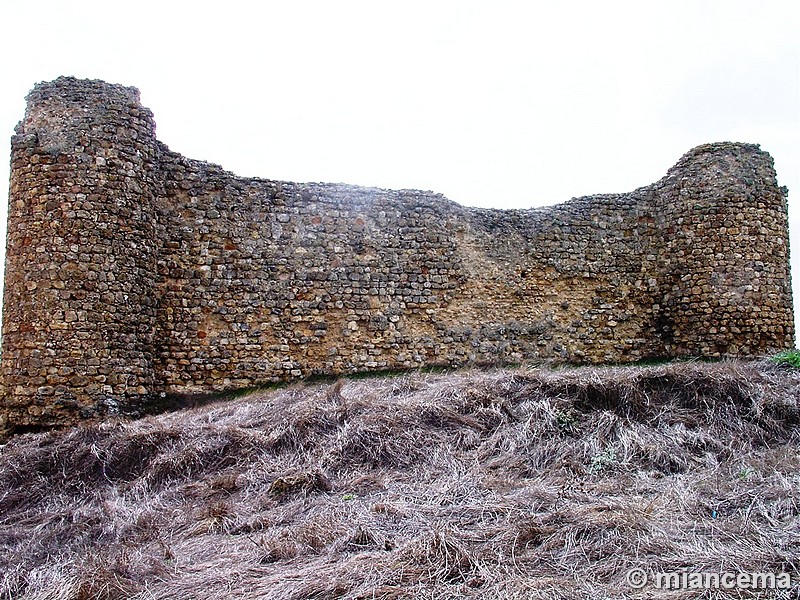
(789, 357)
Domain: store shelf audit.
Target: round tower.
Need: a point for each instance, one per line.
(79, 306)
(725, 253)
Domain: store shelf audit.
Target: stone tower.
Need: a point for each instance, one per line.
(724, 254)
(79, 303)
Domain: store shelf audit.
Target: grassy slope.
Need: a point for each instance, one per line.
(501, 484)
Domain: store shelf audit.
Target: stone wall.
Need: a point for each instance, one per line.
(133, 272)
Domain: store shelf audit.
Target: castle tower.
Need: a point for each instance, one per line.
(725, 254)
(80, 255)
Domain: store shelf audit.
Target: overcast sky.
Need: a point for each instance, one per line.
(500, 104)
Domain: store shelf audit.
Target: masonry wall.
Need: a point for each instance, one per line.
(133, 272)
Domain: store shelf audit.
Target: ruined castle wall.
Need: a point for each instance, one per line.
(134, 272)
(264, 280)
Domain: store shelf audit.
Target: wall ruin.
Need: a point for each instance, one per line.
(133, 272)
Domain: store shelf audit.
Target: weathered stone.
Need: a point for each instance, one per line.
(132, 271)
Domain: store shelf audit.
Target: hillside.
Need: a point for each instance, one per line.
(521, 483)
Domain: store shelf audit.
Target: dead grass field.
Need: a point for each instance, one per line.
(521, 483)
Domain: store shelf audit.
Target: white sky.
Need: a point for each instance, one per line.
(495, 103)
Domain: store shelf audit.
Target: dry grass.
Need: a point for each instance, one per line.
(504, 484)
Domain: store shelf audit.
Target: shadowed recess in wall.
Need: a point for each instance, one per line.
(133, 272)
